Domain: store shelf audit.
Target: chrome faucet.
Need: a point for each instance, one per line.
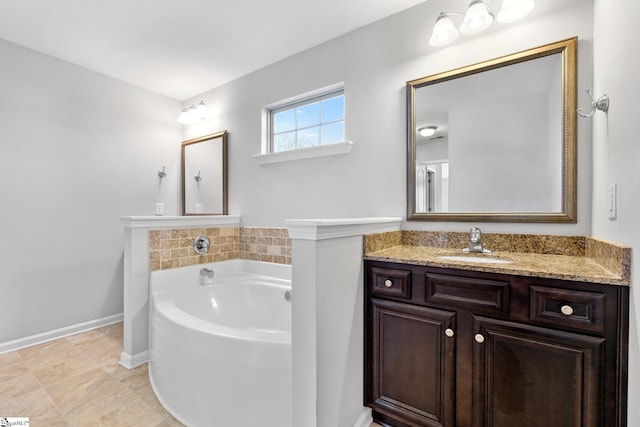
(206, 276)
(475, 242)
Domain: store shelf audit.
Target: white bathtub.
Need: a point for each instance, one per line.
(220, 355)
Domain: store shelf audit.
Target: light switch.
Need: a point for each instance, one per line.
(612, 201)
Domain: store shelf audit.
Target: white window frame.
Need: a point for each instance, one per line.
(267, 156)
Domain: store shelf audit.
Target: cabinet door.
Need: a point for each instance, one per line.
(526, 376)
(411, 365)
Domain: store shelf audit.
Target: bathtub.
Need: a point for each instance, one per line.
(220, 355)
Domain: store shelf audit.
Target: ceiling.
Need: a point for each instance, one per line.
(182, 48)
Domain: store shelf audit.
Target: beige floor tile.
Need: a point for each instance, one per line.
(138, 381)
(104, 350)
(90, 411)
(75, 391)
(49, 420)
(172, 421)
(133, 413)
(11, 366)
(13, 388)
(32, 405)
(77, 381)
(153, 402)
(36, 353)
(57, 368)
(8, 360)
(115, 328)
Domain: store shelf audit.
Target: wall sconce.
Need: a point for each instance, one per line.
(601, 104)
(427, 131)
(477, 19)
(193, 114)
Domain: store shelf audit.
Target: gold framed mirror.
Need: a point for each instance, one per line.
(495, 141)
(204, 175)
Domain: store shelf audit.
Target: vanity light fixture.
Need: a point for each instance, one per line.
(193, 114)
(477, 19)
(427, 131)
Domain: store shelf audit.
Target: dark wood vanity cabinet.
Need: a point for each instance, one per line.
(447, 347)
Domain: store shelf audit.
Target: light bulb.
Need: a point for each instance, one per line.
(427, 131)
(476, 19)
(202, 110)
(443, 31)
(192, 114)
(513, 10)
(183, 118)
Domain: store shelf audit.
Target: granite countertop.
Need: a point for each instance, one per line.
(552, 266)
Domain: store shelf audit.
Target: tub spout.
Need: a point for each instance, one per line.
(206, 276)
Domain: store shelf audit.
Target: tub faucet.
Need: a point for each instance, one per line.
(475, 242)
(206, 276)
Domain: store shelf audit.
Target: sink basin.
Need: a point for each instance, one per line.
(476, 259)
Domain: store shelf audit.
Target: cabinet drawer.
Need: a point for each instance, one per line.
(391, 282)
(567, 308)
(468, 292)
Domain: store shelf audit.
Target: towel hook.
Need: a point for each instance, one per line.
(198, 178)
(162, 173)
(601, 104)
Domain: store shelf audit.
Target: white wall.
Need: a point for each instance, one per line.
(617, 153)
(77, 151)
(480, 159)
(374, 62)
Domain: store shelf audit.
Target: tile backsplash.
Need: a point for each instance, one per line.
(173, 248)
(265, 244)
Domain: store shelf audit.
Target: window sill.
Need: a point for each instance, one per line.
(304, 153)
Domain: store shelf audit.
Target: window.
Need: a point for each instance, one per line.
(311, 122)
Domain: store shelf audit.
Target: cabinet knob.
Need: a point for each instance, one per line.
(449, 332)
(479, 338)
(388, 283)
(566, 310)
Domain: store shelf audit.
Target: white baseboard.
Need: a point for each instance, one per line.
(20, 343)
(130, 361)
(365, 419)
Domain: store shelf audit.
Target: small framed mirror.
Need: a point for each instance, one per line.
(204, 175)
(495, 141)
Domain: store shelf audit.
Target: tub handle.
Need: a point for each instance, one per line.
(201, 244)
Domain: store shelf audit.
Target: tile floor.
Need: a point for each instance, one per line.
(77, 381)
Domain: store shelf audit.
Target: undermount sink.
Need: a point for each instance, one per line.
(477, 259)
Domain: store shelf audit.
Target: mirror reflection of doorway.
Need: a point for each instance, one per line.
(425, 189)
(432, 186)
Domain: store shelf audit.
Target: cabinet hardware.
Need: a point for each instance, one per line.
(566, 310)
(449, 332)
(479, 338)
(388, 283)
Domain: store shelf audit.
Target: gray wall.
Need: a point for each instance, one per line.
(77, 151)
(374, 63)
(617, 154)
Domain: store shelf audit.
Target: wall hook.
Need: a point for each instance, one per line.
(198, 178)
(162, 173)
(601, 104)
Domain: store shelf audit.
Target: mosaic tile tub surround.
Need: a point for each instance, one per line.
(173, 248)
